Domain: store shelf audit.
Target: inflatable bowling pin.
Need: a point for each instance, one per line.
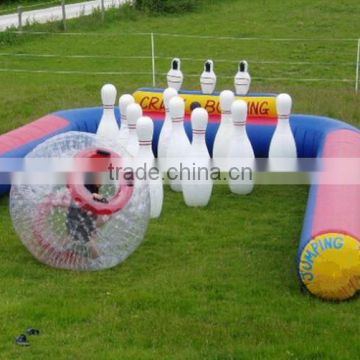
(282, 151)
(175, 76)
(179, 144)
(241, 157)
(133, 113)
(145, 158)
(123, 134)
(208, 78)
(108, 127)
(168, 94)
(225, 130)
(197, 189)
(242, 79)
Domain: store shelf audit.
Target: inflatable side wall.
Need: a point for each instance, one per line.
(329, 250)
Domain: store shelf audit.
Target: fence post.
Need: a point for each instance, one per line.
(357, 67)
(20, 18)
(102, 11)
(63, 14)
(153, 59)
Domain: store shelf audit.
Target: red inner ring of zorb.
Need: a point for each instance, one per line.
(99, 160)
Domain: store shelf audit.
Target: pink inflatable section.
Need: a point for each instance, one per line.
(338, 205)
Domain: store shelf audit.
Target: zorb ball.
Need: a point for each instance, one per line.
(86, 218)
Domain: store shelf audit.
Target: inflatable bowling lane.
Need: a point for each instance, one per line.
(329, 251)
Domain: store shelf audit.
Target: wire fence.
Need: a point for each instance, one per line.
(37, 5)
(57, 10)
(294, 60)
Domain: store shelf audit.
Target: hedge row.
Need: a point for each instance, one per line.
(167, 6)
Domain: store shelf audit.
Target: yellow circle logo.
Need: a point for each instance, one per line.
(330, 266)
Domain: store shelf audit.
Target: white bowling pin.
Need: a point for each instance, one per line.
(208, 78)
(133, 113)
(175, 76)
(242, 79)
(241, 157)
(108, 127)
(225, 130)
(197, 187)
(124, 101)
(179, 144)
(169, 93)
(145, 159)
(282, 151)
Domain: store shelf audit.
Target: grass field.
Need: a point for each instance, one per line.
(214, 283)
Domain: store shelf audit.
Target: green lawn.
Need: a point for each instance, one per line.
(214, 283)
